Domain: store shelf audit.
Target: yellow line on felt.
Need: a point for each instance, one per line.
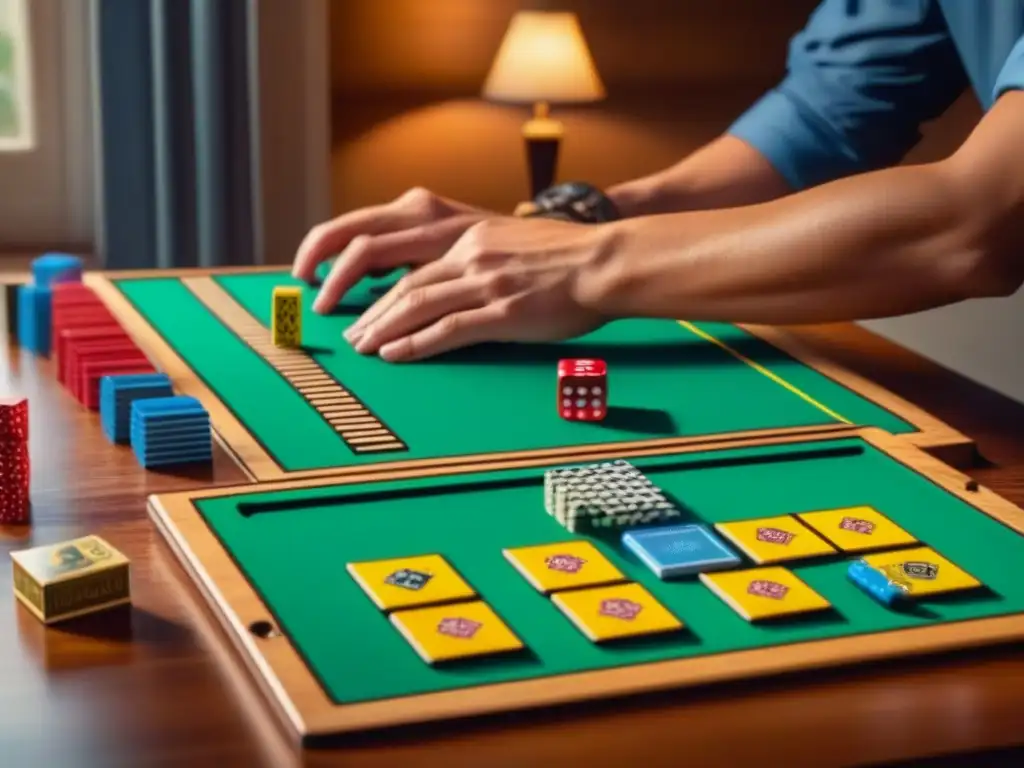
(762, 370)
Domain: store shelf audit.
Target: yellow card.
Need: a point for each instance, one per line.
(923, 571)
(565, 565)
(615, 612)
(764, 593)
(410, 581)
(459, 631)
(775, 539)
(857, 529)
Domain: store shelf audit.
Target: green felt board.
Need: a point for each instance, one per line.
(295, 557)
(664, 381)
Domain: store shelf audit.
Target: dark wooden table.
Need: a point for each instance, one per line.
(158, 685)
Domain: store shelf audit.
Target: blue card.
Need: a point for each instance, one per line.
(680, 550)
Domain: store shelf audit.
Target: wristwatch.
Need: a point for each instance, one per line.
(574, 201)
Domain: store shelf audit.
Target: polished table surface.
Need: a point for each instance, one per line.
(159, 685)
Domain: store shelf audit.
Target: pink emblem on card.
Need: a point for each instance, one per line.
(774, 536)
(564, 563)
(620, 608)
(463, 629)
(766, 588)
(856, 525)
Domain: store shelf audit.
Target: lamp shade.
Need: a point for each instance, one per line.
(544, 57)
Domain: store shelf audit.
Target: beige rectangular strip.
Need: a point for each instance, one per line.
(349, 418)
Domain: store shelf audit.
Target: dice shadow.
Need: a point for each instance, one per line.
(648, 421)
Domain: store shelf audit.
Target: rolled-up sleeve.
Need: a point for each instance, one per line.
(1011, 76)
(862, 77)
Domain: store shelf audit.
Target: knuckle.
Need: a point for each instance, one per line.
(422, 199)
(319, 233)
(414, 298)
(499, 284)
(450, 325)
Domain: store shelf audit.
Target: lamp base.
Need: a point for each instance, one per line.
(543, 139)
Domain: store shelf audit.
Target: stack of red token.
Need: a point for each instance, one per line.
(89, 343)
(14, 462)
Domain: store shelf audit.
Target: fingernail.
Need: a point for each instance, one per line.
(352, 333)
(362, 344)
(391, 352)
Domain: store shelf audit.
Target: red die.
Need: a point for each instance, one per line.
(582, 389)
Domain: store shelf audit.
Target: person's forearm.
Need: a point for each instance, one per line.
(723, 174)
(879, 244)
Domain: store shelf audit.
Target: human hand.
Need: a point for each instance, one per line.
(504, 279)
(412, 230)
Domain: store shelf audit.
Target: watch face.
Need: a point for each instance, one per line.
(575, 201)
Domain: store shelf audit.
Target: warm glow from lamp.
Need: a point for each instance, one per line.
(543, 59)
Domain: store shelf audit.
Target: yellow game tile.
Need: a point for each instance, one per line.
(765, 593)
(616, 612)
(410, 581)
(565, 565)
(458, 631)
(286, 316)
(857, 529)
(923, 571)
(775, 539)
(71, 578)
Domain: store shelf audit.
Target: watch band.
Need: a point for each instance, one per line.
(574, 201)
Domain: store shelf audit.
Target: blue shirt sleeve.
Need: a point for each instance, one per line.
(862, 77)
(1011, 76)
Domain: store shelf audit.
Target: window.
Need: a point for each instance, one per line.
(16, 108)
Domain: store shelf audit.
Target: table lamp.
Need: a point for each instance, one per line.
(543, 59)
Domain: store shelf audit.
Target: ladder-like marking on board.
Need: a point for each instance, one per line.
(347, 415)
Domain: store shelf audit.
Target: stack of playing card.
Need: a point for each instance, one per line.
(606, 495)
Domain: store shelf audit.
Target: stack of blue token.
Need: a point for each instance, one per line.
(117, 393)
(35, 304)
(35, 300)
(169, 431)
(52, 268)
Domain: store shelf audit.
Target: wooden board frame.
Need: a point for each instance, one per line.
(308, 714)
(931, 435)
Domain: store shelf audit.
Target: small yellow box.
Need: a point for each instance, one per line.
(857, 529)
(923, 571)
(616, 612)
(286, 316)
(71, 578)
(448, 632)
(775, 539)
(410, 581)
(563, 565)
(765, 593)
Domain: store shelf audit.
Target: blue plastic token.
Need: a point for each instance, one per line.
(876, 583)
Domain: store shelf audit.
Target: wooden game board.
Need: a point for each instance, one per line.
(270, 561)
(328, 411)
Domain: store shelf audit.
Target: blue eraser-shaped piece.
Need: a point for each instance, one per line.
(876, 583)
(178, 406)
(34, 309)
(52, 268)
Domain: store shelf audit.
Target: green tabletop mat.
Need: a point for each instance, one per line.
(664, 381)
(295, 558)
